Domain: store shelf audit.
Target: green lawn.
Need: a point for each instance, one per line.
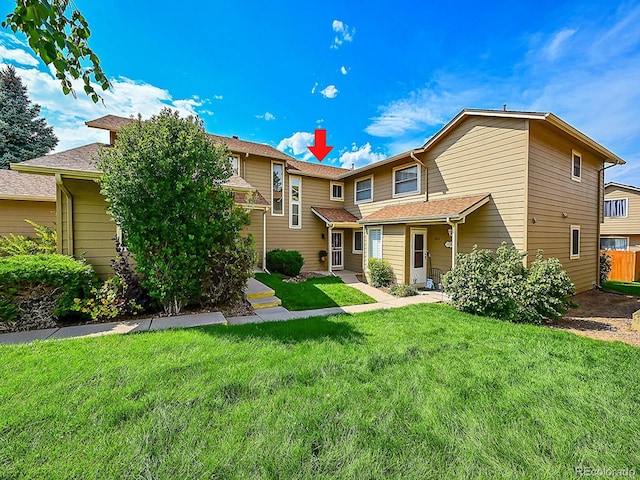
(314, 293)
(418, 392)
(629, 288)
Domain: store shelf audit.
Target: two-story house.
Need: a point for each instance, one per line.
(526, 178)
(621, 227)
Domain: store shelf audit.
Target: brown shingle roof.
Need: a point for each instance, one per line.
(254, 197)
(241, 146)
(449, 207)
(21, 185)
(315, 169)
(79, 159)
(334, 215)
(109, 122)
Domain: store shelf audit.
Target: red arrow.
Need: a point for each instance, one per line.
(320, 148)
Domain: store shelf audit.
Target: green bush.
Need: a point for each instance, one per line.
(44, 243)
(56, 277)
(498, 285)
(107, 302)
(286, 262)
(403, 290)
(605, 266)
(381, 272)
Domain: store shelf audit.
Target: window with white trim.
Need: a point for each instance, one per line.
(357, 241)
(375, 243)
(363, 190)
(406, 180)
(576, 166)
(575, 242)
(614, 243)
(615, 208)
(235, 164)
(277, 189)
(337, 191)
(295, 200)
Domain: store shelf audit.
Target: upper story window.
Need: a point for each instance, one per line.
(277, 189)
(363, 190)
(337, 191)
(576, 166)
(615, 208)
(406, 180)
(295, 200)
(235, 164)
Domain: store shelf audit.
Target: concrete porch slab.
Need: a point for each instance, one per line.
(26, 337)
(274, 314)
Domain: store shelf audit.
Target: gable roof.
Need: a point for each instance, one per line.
(623, 186)
(18, 186)
(112, 123)
(297, 167)
(79, 162)
(334, 215)
(548, 117)
(433, 210)
(242, 146)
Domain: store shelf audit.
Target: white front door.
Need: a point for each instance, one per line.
(418, 256)
(337, 250)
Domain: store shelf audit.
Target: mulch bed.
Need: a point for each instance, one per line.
(601, 315)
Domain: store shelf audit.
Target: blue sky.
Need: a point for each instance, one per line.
(381, 77)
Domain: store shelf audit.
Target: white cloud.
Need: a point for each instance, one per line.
(267, 116)
(343, 33)
(343, 70)
(313, 90)
(554, 48)
(17, 55)
(297, 144)
(217, 97)
(359, 156)
(330, 91)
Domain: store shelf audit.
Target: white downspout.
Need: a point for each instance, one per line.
(264, 240)
(330, 251)
(454, 241)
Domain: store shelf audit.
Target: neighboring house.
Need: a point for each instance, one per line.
(26, 197)
(526, 178)
(621, 227)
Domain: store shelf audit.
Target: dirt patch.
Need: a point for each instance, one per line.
(603, 316)
(303, 277)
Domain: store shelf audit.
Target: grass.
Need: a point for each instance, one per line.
(418, 392)
(629, 288)
(322, 292)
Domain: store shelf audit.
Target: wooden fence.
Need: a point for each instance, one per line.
(625, 266)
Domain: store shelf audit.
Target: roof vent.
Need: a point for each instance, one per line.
(504, 107)
(235, 136)
(353, 166)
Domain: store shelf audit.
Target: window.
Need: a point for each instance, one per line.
(615, 208)
(406, 181)
(575, 242)
(576, 166)
(375, 243)
(357, 241)
(277, 200)
(614, 243)
(295, 197)
(364, 190)
(235, 164)
(336, 191)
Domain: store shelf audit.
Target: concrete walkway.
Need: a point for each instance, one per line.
(278, 313)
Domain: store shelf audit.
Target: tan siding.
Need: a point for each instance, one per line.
(352, 261)
(483, 155)
(394, 250)
(94, 230)
(552, 192)
(14, 212)
(623, 226)
(256, 230)
(437, 236)
(308, 239)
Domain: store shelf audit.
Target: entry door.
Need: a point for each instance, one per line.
(337, 250)
(418, 256)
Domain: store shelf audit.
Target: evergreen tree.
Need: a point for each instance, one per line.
(22, 134)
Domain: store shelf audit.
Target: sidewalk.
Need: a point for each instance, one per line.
(383, 301)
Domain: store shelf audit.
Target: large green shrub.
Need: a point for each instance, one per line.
(163, 179)
(286, 262)
(498, 285)
(45, 242)
(380, 272)
(46, 283)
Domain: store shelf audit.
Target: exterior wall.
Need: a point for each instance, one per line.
(484, 155)
(309, 239)
(622, 227)
(256, 230)
(440, 256)
(394, 250)
(553, 193)
(14, 212)
(93, 229)
(352, 261)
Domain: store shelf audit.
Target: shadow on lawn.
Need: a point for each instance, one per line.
(301, 330)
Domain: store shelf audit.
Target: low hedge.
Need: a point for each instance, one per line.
(286, 262)
(61, 277)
